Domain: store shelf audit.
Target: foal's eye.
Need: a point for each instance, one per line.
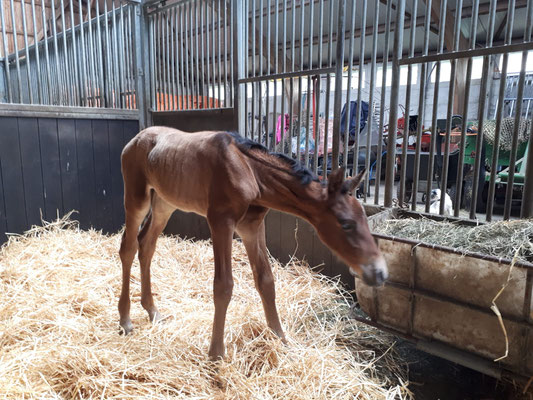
(347, 227)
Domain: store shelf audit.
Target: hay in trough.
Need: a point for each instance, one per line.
(503, 239)
(59, 338)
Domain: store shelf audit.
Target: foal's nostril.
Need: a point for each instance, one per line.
(375, 274)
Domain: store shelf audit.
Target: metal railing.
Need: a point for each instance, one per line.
(65, 53)
(191, 55)
(311, 65)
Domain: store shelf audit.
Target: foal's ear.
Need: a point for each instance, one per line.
(335, 180)
(349, 185)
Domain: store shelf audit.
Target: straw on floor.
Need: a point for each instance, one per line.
(59, 328)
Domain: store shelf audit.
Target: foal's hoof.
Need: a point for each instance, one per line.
(216, 353)
(155, 317)
(125, 328)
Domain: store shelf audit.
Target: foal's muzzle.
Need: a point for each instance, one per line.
(375, 273)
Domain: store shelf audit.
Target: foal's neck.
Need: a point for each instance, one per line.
(283, 191)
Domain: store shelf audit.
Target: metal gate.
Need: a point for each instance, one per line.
(378, 84)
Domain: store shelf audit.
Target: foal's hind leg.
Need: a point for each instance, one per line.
(252, 231)
(147, 239)
(136, 208)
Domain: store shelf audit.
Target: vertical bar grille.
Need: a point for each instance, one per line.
(60, 52)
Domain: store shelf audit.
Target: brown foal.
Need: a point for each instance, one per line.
(233, 182)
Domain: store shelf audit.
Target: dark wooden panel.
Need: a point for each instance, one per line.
(3, 219)
(131, 128)
(12, 176)
(188, 225)
(288, 224)
(321, 256)
(31, 169)
(68, 158)
(102, 177)
(198, 120)
(116, 144)
(273, 231)
(53, 198)
(84, 146)
(305, 240)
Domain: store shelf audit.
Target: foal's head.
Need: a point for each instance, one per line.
(343, 227)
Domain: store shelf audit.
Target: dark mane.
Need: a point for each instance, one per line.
(245, 145)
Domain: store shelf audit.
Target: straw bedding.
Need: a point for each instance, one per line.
(59, 336)
(505, 239)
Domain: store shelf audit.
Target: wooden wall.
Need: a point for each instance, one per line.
(50, 166)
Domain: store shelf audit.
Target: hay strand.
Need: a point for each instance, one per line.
(59, 337)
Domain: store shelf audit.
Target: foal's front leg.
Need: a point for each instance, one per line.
(222, 235)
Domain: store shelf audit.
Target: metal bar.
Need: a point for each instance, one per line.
(168, 35)
(77, 89)
(15, 44)
(28, 61)
(518, 117)
(484, 51)
(339, 58)
(173, 57)
(253, 72)
(200, 35)
(83, 69)
(213, 44)
(233, 81)
(132, 71)
(260, 61)
(166, 62)
(276, 43)
(197, 55)
(158, 63)
(382, 103)
(117, 71)
(307, 117)
(186, 56)
(407, 125)
(464, 127)
(92, 59)
(107, 60)
(451, 95)
(287, 75)
(422, 105)
(393, 114)
(328, 94)
(299, 124)
(219, 52)
(207, 66)
(434, 132)
(499, 115)
(100, 56)
(527, 196)
(284, 83)
(326, 129)
(514, 145)
(317, 125)
(497, 133)
(310, 87)
(371, 99)
(346, 137)
(359, 86)
(6, 51)
(268, 37)
(153, 71)
(225, 56)
(182, 88)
